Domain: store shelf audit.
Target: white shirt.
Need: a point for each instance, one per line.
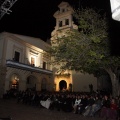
(77, 101)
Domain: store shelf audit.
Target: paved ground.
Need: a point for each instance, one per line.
(26, 112)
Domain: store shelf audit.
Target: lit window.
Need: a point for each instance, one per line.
(32, 61)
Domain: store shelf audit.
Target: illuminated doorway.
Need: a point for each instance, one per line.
(62, 85)
(14, 82)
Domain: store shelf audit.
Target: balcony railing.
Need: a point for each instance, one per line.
(14, 64)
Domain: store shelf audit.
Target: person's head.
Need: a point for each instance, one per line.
(105, 97)
(83, 96)
(97, 97)
(79, 97)
(113, 101)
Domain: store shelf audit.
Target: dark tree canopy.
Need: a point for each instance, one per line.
(88, 48)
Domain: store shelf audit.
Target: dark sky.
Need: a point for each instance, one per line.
(31, 17)
(35, 18)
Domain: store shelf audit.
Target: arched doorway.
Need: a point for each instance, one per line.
(31, 82)
(14, 83)
(62, 85)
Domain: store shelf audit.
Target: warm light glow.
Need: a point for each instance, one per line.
(115, 9)
(14, 81)
(58, 79)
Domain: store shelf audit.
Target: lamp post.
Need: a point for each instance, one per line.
(115, 9)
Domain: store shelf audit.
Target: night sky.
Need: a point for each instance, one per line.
(35, 18)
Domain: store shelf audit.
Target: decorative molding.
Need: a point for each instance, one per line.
(33, 52)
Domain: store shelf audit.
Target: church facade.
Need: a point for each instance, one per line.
(69, 80)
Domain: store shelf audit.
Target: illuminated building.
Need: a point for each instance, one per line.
(24, 63)
(70, 80)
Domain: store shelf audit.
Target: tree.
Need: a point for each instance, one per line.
(88, 48)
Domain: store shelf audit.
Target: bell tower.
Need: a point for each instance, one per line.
(64, 20)
(63, 16)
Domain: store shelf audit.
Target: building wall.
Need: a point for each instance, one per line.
(12, 46)
(27, 49)
(23, 75)
(82, 81)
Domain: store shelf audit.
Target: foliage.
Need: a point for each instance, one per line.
(86, 49)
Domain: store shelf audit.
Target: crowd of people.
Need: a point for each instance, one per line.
(83, 103)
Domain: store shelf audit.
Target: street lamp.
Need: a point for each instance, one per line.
(115, 9)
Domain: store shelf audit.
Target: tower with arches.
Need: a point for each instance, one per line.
(68, 80)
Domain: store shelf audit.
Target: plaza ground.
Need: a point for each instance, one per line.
(10, 108)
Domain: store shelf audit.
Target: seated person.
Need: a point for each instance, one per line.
(105, 107)
(96, 106)
(88, 108)
(84, 104)
(77, 102)
(113, 110)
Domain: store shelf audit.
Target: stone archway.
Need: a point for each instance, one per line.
(62, 85)
(14, 83)
(31, 82)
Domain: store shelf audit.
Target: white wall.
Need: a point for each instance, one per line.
(14, 45)
(81, 82)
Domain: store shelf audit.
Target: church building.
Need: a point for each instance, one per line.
(24, 62)
(69, 80)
